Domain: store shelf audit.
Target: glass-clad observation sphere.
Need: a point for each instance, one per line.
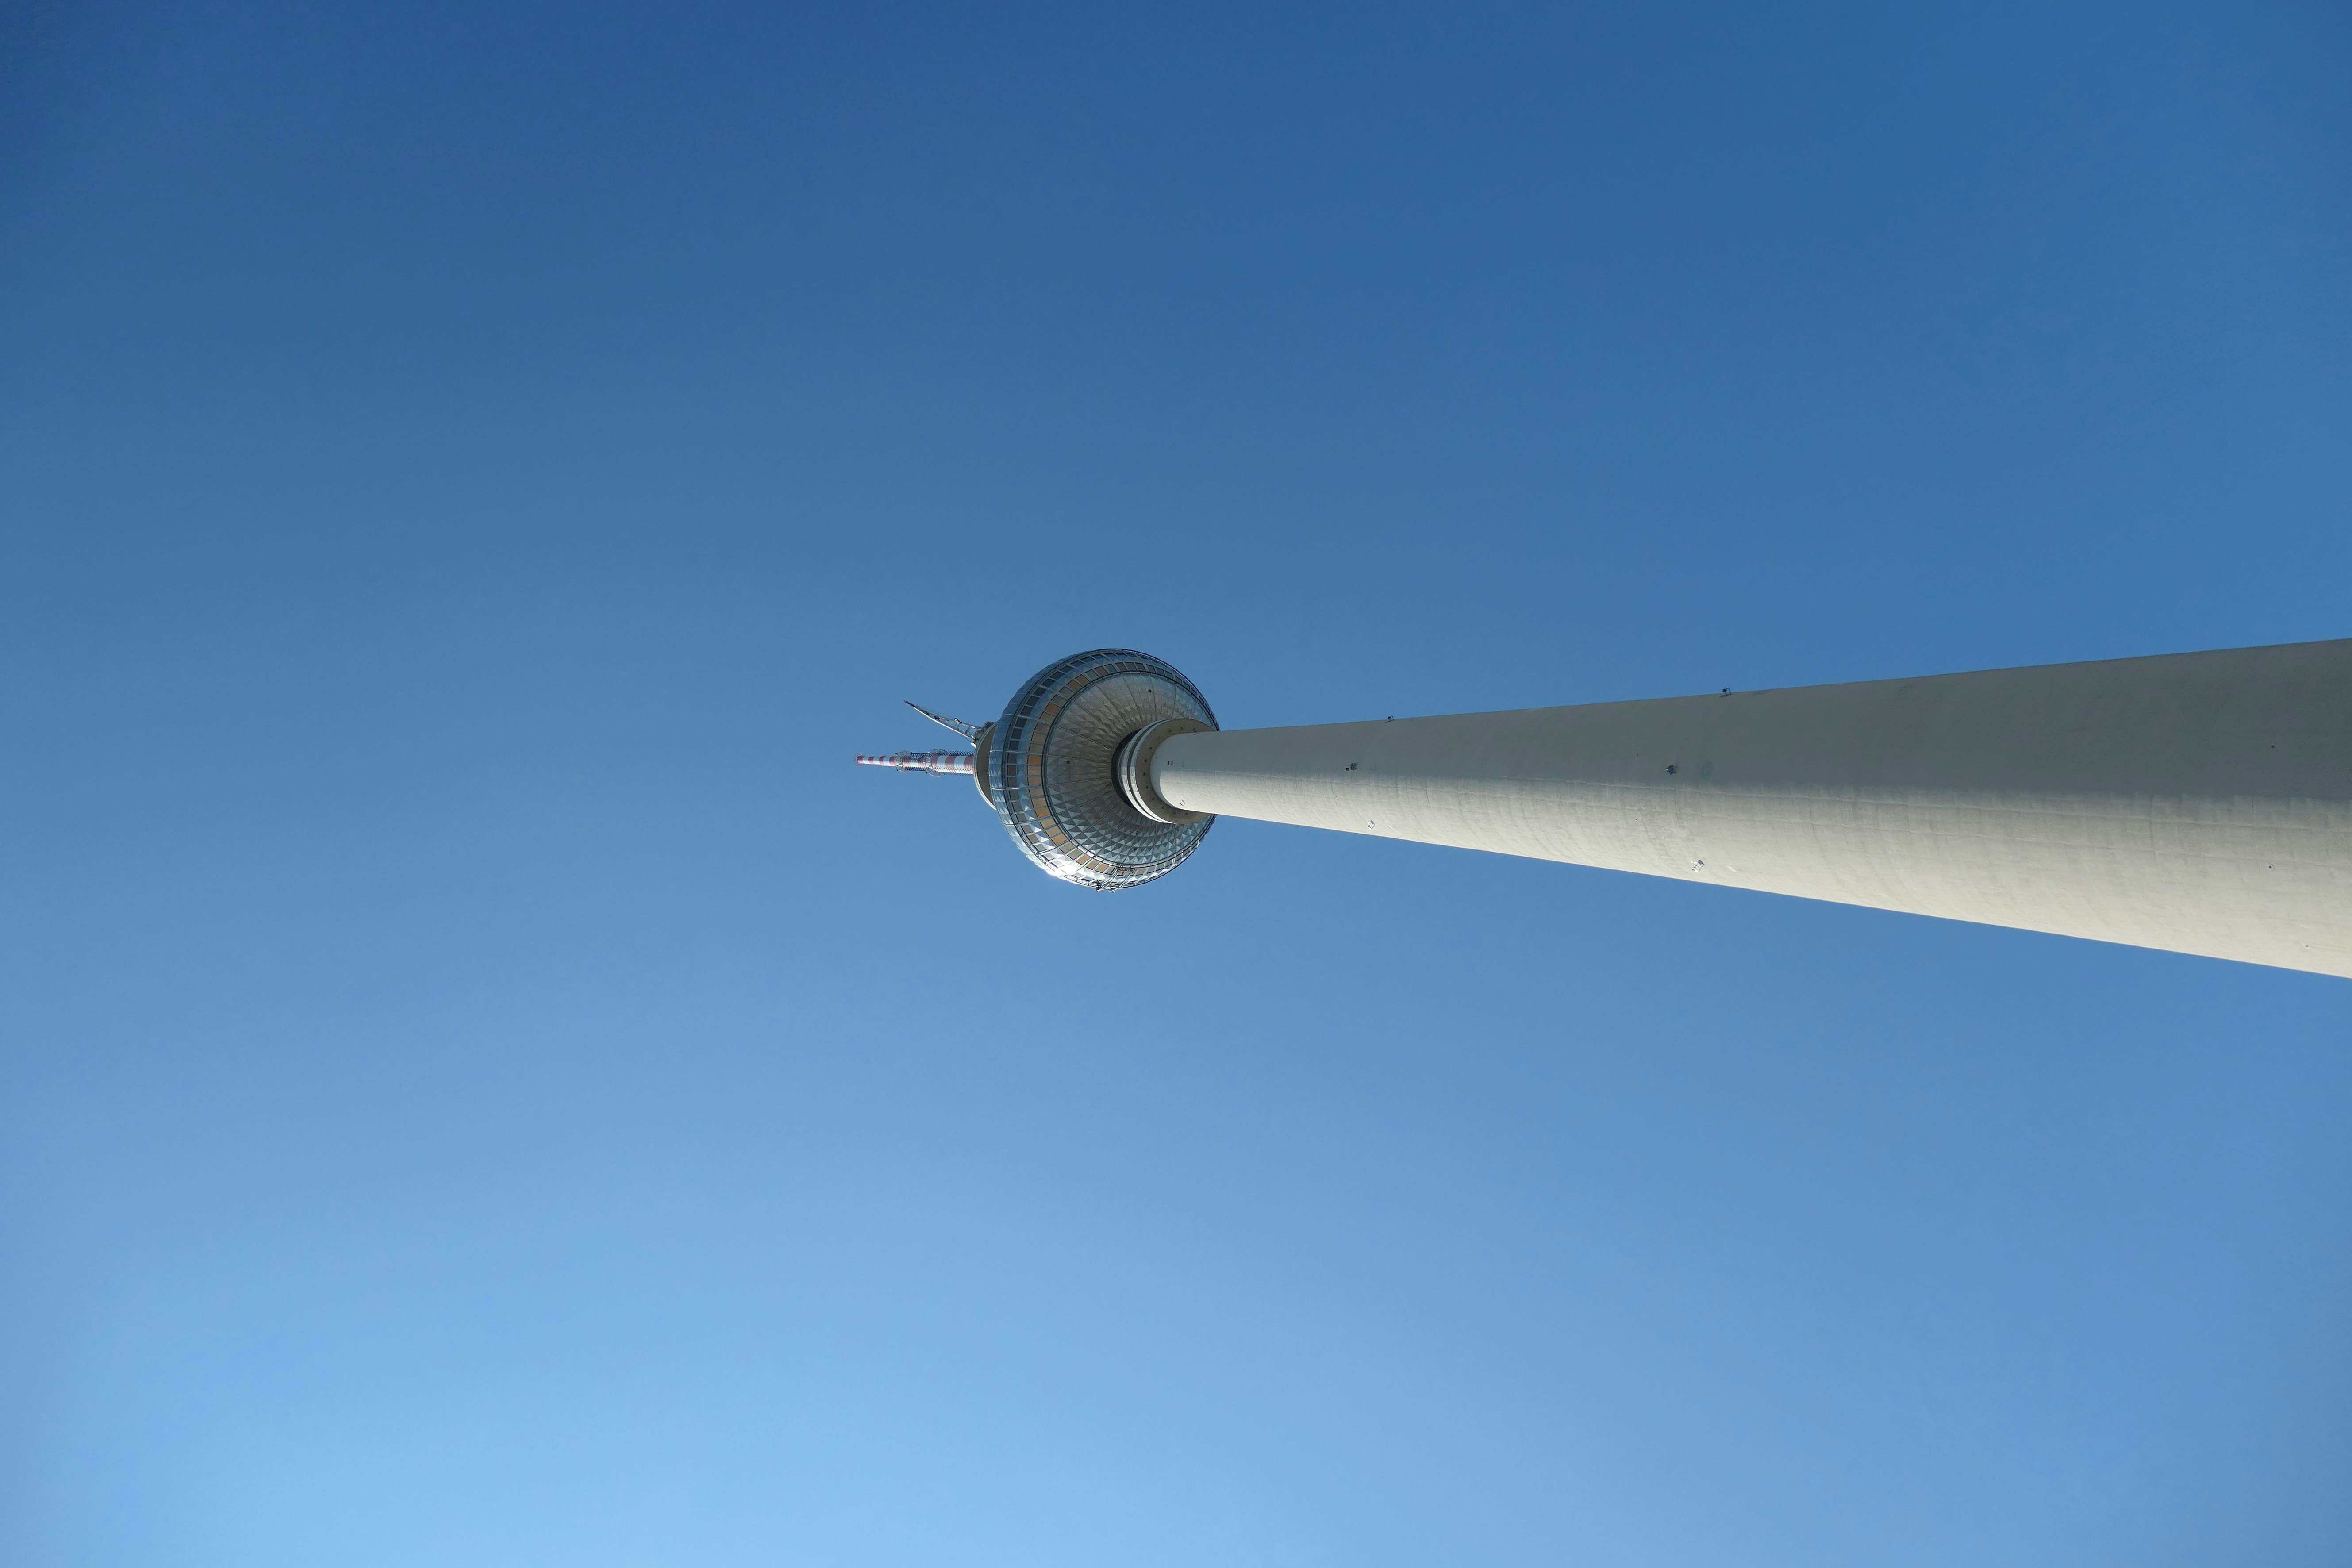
(1050, 766)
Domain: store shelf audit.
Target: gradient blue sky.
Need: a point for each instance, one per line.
(483, 1080)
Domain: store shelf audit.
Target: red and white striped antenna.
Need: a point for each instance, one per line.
(964, 762)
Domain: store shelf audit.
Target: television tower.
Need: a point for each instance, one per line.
(2198, 802)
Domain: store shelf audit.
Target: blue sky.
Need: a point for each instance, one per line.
(483, 1080)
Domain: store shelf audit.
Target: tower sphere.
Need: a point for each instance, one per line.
(1059, 767)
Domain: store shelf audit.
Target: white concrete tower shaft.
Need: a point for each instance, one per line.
(2199, 802)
